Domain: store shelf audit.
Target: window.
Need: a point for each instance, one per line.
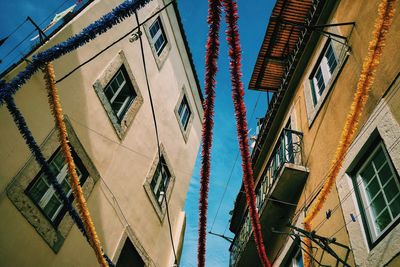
(120, 93)
(42, 193)
(157, 35)
(323, 72)
(297, 260)
(379, 191)
(159, 183)
(184, 112)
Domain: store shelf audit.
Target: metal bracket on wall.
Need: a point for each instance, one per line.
(323, 242)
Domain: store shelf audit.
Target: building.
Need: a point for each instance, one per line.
(112, 135)
(310, 60)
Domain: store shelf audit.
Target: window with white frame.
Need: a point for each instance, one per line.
(157, 35)
(43, 194)
(322, 72)
(120, 93)
(379, 192)
(184, 112)
(159, 183)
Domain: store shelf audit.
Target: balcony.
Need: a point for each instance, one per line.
(277, 193)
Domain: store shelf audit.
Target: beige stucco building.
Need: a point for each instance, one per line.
(312, 72)
(112, 135)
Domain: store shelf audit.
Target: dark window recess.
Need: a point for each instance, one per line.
(120, 93)
(129, 256)
(184, 112)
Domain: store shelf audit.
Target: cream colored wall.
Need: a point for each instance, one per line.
(122, 164)
(321, 138)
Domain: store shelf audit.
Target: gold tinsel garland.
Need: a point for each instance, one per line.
(382, 25)
(56, 109)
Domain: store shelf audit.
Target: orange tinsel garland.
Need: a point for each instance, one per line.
(56, 109)
(382, 25)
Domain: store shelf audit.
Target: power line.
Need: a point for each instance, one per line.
(232, 170)
(157, 135)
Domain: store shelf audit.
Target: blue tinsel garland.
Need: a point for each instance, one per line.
(100, 26)
(51, 177)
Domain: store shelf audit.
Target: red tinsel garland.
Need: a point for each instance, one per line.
(212, 49)
(232, 36)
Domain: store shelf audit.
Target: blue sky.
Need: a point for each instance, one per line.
(253, 19)
(252, 25)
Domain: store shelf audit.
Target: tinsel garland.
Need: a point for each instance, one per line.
(212, 50)
(100, 26)
(76, 188)
(367, 77)
(40, 159)
(232, 36)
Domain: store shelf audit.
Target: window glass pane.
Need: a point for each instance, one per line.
(65, 185)
(154, 28)
(378, 204)
(372, 188)
(379, 158)
(385, 173)
(120, 78)
(395, 207)
(367, 173)
(52, 206)
(58, 161)
(38, 189)
(330, 55)
(391, 190)
(320, 81)
(383, 220)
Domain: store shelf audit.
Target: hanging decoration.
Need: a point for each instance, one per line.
(367, 77)
(100, 26)
(212, 50)
(235, 53)
(56, 110)
(51, 177)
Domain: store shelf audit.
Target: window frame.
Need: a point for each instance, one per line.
(122, 124)
(323, 67)
(160, 32)
(62, 210)
(161, 55)
(53, 235)
(159, 208)
(365, 158)
(125, 107)
(184, 130)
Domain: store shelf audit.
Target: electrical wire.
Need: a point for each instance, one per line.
(157, 135)
(113, 43)
(233, 168)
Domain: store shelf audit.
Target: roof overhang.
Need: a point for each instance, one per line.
(283, 32)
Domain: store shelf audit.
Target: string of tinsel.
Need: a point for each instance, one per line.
(56, 110)
(212, 50)
(367, 77)
(232, 36)
(40, 159)
(98, 27)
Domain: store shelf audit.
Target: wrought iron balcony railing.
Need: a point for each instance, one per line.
(287, 150)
